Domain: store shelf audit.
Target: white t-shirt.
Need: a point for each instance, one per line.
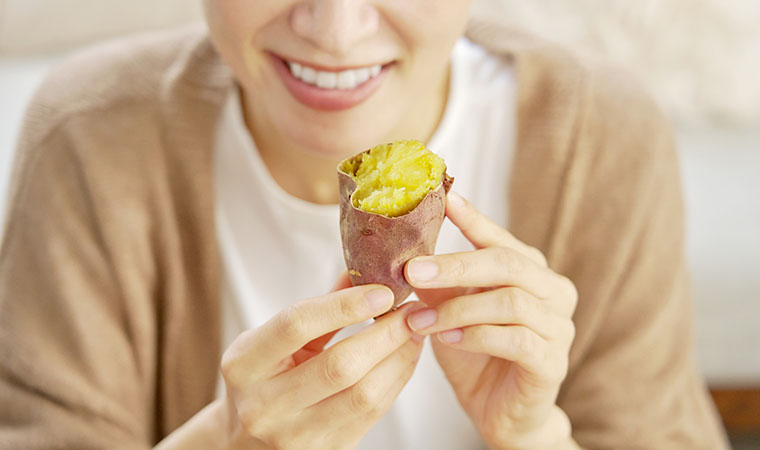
(277, 249)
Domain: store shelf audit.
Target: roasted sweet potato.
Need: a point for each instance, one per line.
(392, 205)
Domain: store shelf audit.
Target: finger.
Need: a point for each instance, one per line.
(262, 349)
(482, 232)
(518, 344)
(315, 346)
(496, 266)
(505, 306)
(373, 395)
(343, 364)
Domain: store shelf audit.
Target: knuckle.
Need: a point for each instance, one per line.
(557, 366)
(228, 368)
(395, 335)
(569, 289)
(291, 324)
(508, 260)
(457, 267)
(375, 413)
(230, 364)
(544, 357)
(479, 336)
(410, 351)
(516, 303)
(349, 308)
(524, 343)
(519, 411)
(232, 376)
(365, 397)
(561, 369)
(454, 308)
(543, 309)
(538, 256)
(570, 333)
(340, 369)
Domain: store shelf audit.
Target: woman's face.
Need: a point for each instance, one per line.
(337, 76)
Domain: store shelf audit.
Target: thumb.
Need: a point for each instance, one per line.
(317, 345)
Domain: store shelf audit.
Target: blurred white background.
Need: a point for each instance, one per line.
(701, 58)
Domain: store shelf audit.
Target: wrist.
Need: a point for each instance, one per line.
(555, 433)
(206, 430)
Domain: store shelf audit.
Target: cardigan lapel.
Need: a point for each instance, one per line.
(550, 93)
(193, 92)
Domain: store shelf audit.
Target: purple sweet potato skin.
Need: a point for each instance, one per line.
(376, 247)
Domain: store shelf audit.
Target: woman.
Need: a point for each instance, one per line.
(174, 204)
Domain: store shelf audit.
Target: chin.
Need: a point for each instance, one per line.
(336, 145)
(340, 136)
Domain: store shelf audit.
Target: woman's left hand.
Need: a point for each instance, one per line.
(502, 326)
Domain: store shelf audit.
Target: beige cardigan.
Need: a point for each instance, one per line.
(110, 272)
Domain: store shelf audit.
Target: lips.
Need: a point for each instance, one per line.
(330, 90)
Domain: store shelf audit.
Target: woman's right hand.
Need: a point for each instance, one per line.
(285, 392)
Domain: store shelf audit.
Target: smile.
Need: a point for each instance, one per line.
(343, 80)
(330, 89)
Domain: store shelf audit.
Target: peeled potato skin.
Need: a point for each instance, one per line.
(376, 247)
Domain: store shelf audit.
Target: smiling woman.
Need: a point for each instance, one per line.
(173, 228)
(327, 38)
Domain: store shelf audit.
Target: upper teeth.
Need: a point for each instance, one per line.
(346, 79)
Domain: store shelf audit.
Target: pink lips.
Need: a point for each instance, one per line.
(326, 99)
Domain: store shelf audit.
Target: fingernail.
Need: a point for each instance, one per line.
(422, 270)
(422, 319)
(379, 299)
(418, 338)
(451, 336)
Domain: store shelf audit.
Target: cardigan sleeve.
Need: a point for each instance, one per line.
(69, 376)
(633, 382)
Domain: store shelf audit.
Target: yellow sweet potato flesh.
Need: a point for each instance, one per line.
(392, 179)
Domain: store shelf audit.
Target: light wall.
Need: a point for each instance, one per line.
(46, 26)
(700, 57)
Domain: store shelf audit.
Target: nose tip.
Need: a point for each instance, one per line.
(334, 25)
